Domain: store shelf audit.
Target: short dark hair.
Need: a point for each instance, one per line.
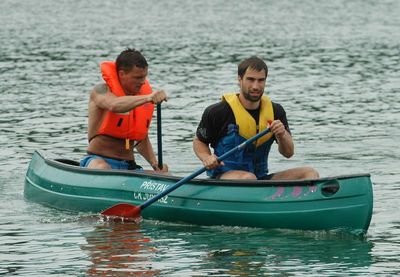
(130, 58)
(254, 63)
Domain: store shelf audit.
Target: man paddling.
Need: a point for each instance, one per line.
(120, 112)
(240, 116)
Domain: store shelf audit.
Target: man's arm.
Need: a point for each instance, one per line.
(104, 99)
(283, 138)
(146, 150)
(280, 128)
(208, 131)
(203, 152)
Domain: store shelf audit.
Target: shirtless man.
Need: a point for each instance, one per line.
(120, 112)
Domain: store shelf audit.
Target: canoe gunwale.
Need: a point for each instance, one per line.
(71, 165)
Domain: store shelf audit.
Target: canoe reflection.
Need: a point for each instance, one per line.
(119, 249)
(268, 251)
(227, 251)
(160, 249)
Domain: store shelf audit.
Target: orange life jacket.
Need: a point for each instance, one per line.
(132, 125)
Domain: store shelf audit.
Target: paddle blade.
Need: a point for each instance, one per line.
(123, 210)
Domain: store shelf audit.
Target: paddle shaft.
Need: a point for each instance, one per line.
(159, 137)
(201, 170)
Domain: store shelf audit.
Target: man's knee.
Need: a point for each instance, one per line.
(238, 174)
(310, 173)
(99, 164)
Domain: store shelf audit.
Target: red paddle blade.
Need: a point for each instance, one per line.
(123, 210)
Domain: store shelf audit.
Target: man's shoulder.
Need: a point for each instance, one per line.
(100, 88)
(277, 107)
(217, 108)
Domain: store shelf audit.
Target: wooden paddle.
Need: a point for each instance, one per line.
(125, 210)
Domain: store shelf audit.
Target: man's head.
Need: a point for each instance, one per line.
(254, 63)
(252, 76)
(132, 70)
(130, 58)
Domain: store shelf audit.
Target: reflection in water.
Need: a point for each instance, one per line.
(119, 249)
(229, 251)
(244, 252)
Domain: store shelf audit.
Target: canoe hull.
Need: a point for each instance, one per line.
(332, 203)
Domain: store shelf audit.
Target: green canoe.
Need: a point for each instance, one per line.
(343, 202)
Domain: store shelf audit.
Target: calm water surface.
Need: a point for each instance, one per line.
(334, 66)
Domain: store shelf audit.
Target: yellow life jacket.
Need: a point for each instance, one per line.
(247, 124)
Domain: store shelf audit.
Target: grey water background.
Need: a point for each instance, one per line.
(334, 66)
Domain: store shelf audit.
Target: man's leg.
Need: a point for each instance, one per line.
(297, 173)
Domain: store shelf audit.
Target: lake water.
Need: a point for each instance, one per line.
(334, 66)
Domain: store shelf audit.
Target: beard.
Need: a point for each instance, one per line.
(252, 97)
